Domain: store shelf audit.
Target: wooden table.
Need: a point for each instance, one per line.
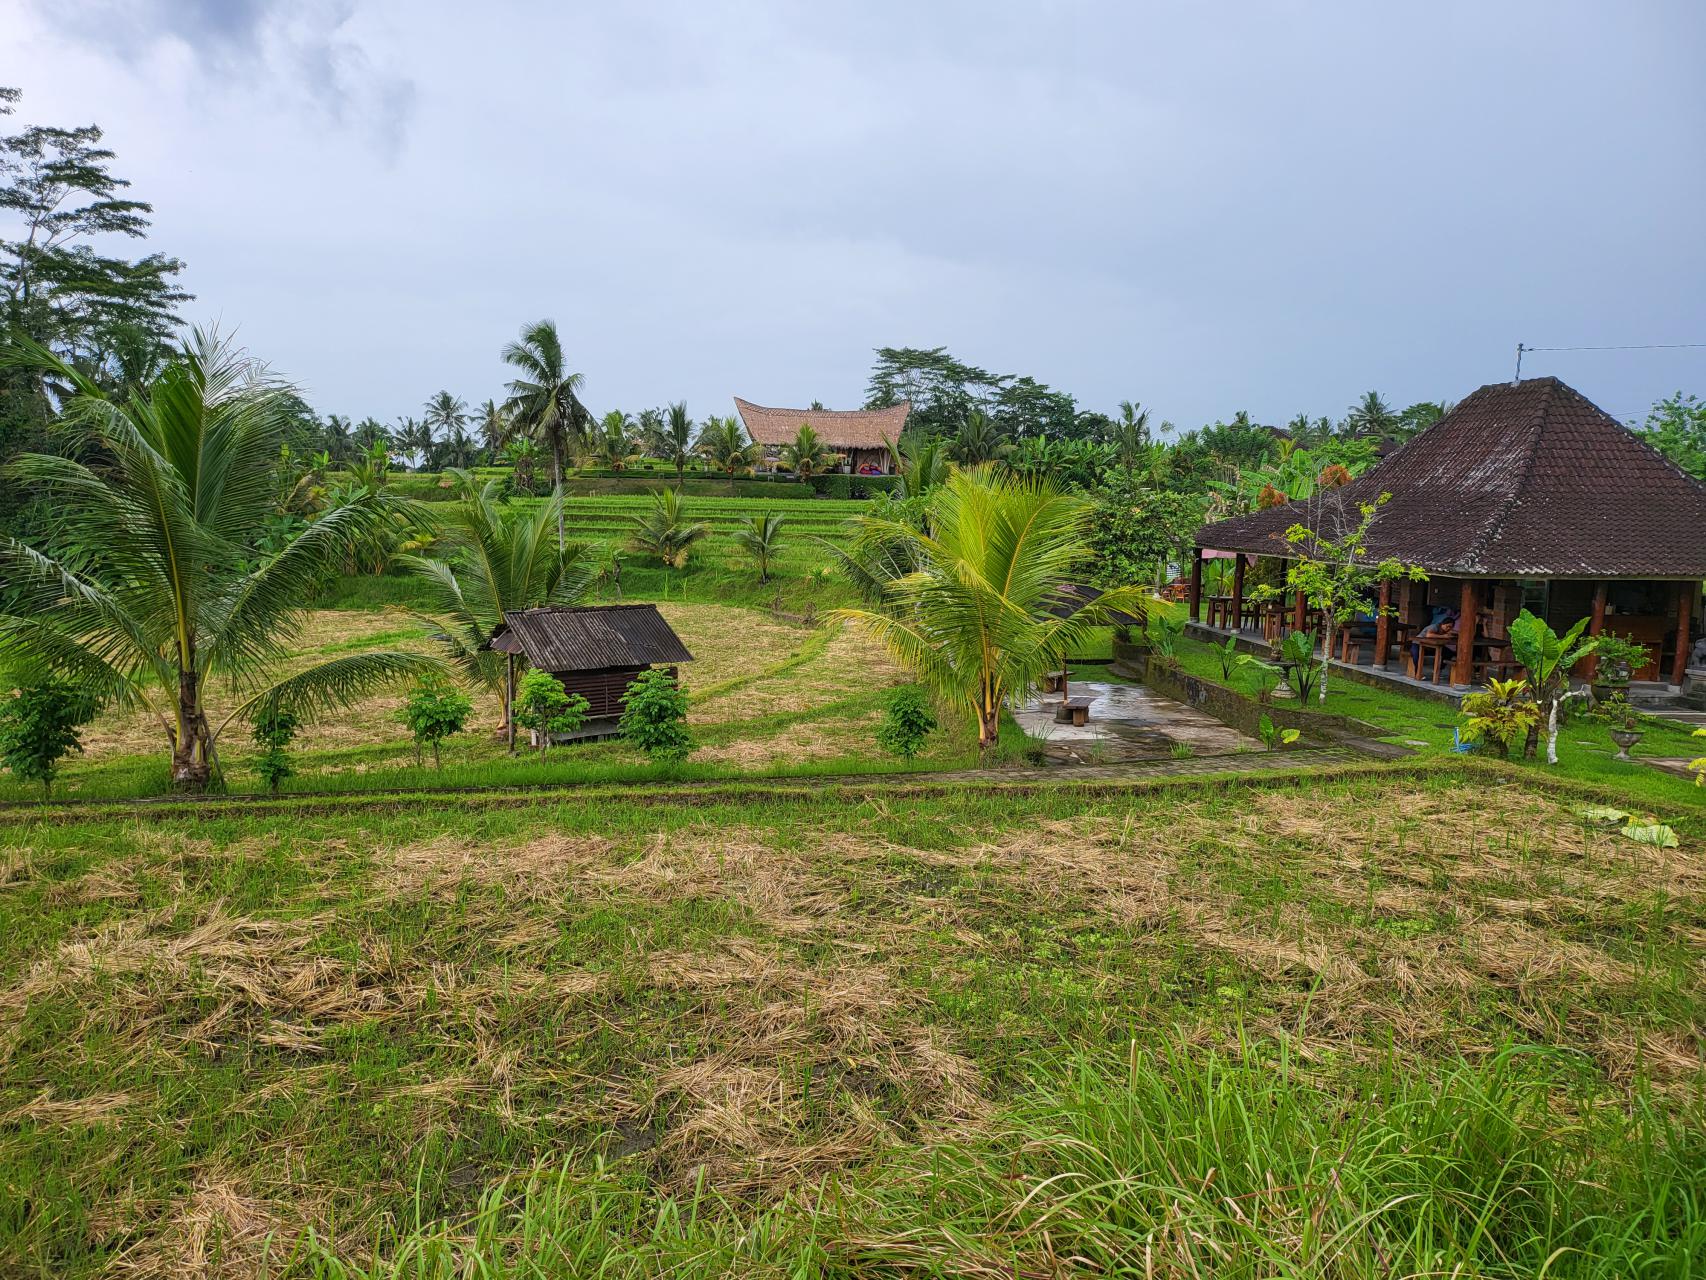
(1436, 645)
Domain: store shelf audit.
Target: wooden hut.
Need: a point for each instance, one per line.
(596, 651)
(1525, 495)
(860, 436)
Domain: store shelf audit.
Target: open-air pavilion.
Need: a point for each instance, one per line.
(1526, 495)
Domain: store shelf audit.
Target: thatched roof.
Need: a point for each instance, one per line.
(837, 428)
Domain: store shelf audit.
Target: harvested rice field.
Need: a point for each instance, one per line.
(766, 694)
(1383, 1027)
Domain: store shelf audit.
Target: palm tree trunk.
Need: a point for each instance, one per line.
(557, 487)
(192, 746)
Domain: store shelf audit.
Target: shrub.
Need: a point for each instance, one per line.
(545, 707)
(1297, 657)
(435, 710)
(1619, 659)
(1273, 737)
(655, 717)
(1164, 632)
(907, 722)
(833, 485)
(274, 730)
(38, 728)
(1501, 714)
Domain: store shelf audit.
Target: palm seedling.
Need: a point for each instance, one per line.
(761, 538)
(665, 531)
(724, 444)
(805, 455)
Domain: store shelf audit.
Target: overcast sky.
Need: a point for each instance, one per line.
(1203, 207)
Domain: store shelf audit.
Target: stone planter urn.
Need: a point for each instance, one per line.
(1624, 738)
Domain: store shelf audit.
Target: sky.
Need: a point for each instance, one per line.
(1201, 207)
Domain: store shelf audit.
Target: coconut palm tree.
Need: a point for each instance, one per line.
(665, 531)
(805, 455)
(492, 558)
(369, 432)
(339, 438)
(613, 444)
(724, 443)
(493, 425)
(975, 619)
(979, 440)
(672, 439)
(544, 398)
(412, 440)
(162, 594)
(1371, 416)
(445, 414)
(761, 538)
(1131, 436)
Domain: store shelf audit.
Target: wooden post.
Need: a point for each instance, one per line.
(1684, 608)
(1299, 612)
(1596, 626)
(1383, 625)
(1463, 669)
(509, 663)
(1196, 586)
(1238, 593)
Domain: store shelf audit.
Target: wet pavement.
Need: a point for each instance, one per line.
(1127, 722)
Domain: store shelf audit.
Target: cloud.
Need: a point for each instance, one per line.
(304, 49)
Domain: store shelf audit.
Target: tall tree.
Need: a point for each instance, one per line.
(158, 591)
(445, 414)
(1677, 428)
(544, 396)
(1371, 416)
(1131, 436)
(671, 439)
(493, 424)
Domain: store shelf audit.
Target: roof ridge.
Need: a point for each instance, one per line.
(1495, 521)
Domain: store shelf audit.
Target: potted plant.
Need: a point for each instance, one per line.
(1625, 730)
(1619, 658)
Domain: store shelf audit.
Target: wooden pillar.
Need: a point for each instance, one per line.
(1383, 625)
(1463, 669)
(1299, 612)
(1196, 585)
(1238, 593)
(1596, 626)
(1684, 608)
(509, 664)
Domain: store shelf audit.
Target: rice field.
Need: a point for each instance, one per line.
(1383, 1027)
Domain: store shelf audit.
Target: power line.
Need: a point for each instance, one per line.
(1522, 348)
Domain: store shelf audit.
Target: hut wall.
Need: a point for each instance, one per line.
(605, 690)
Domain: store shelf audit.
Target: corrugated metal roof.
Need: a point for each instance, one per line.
(591, 637)
(1524, 480)
(837, 428)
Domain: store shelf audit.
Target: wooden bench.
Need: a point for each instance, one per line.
(1074, 711)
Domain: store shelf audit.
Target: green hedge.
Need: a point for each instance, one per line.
(839, 485)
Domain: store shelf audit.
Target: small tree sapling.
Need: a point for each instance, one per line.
(543, 706)
(38, 728)
(655, 718)
(435, 710)
(907, 722)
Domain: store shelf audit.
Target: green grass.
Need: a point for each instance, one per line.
(1409, 1024)
(1585, 749)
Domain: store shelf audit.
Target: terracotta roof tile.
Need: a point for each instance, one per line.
(1528, 479)
(837, 428)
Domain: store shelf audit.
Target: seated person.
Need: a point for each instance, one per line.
(1443, 623)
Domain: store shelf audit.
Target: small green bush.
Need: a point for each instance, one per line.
(833, 485)
(38, 728)
(435, 710)
(907, 722)
(655, 718)
(545, 707)
(274, 730)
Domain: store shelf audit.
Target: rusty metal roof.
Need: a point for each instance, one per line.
(1524, 480)
(590, 637)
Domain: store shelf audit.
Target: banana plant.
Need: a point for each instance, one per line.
(1547, 658)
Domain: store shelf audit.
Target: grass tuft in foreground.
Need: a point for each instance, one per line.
(1173, 1162)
